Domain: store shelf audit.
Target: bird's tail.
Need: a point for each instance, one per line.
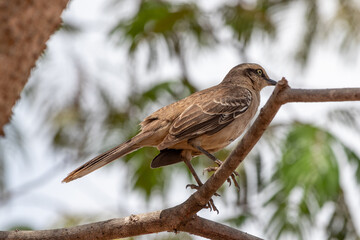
(106, 157)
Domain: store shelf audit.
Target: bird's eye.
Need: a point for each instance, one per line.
(259, 71)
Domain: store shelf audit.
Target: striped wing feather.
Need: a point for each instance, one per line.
(209, 117)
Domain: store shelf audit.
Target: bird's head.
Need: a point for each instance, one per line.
(249, 75)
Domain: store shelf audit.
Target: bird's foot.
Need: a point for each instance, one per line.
(232, 176)
(194, 186)
(210, 205)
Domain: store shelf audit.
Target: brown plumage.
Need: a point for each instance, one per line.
(201, 123)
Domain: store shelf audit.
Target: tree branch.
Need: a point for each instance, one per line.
(132, 225)
(183, 217)
(25, 27)
(213, 230)
(319, 95)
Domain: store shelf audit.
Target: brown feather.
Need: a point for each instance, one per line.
(167, 157)
(210, 115)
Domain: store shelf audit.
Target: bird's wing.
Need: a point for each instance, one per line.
(210, 115)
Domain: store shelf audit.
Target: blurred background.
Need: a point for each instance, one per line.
(114, 62)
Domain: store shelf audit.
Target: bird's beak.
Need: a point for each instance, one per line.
(271, 82)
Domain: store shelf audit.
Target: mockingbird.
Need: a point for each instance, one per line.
(201, 123)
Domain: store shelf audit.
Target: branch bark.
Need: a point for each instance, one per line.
(25, 26)
(183, 217)
(129, 226)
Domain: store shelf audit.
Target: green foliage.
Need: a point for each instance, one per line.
(71, 219)
(309, 162)
(309, 166)
(70, 28)
(146, 180)
(304, 181)
(347, 15)
(354, 160)
(341, 225)
(308, 178)
(155, 92)
(312, 23)
(342, 26)
(241, 219)
(21, 228)
(346, 116)
(160, 20)
(245, 20)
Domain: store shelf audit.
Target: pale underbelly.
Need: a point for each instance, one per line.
(215, 142)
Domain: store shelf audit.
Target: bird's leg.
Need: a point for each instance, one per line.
(218, 162)
(210, 204)
(192, 170)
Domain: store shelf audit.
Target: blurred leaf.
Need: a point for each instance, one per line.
(70, 28)
(340, 225)
(308, 177)
(116, 116)
(245, 19)
(249, 184)
(309, 162)
(346, 19)
(342, 26)
(159, 20)
(241, 219)
(21, 227)
(67, 121)
(258, 168)
(69, 220)
(155, 93)
(354, 159)
(346, 116)
(149, 181)
(311, 30)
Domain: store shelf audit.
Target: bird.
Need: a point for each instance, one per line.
(202, 123)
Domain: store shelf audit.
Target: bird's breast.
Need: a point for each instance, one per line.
(221, 139)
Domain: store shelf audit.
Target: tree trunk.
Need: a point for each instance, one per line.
(25, 26)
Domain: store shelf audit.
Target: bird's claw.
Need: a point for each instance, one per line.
(210, 205)
(232, 176)
(194, 186)
(210, 169)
